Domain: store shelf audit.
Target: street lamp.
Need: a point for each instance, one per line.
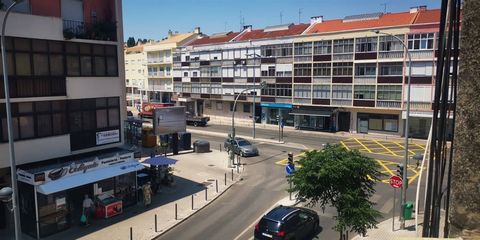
(13, 169)
(405, 160)
(255, 56)
(232, 135)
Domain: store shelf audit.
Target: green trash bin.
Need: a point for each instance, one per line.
(407, 210)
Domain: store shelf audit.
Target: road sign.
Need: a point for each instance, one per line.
(396, 182)
(290, 168)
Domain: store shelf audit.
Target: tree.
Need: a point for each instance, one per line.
(131, 42)
(342, 179)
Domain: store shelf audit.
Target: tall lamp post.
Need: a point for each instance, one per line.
(232, 135)
(405, 160)
(13, 169)
(255, 56)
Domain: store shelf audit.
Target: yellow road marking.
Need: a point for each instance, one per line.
(410, 151)
(388, 150)
(384, 166)
(345, 145)
(420, 146)
(363, 145)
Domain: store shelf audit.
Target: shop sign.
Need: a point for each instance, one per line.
(72, 169)
(105, 137)
(276, 105)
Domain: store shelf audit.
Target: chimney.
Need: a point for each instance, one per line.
(197, 30)
(418, 9)
(316, 19)
(247, 28)
(170, 33)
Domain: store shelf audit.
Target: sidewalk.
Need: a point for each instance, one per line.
(196, 175)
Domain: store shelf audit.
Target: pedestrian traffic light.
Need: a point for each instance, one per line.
(400, 170)
(290, 158)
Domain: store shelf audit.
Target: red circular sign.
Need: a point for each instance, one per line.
(396, 182)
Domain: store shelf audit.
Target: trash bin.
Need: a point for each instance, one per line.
(407, 210)
(201, 146)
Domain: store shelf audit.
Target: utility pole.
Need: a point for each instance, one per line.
(299, 15)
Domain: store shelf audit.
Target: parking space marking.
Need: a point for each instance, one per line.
(403, 147)
(366, 148)
(344, 145)
(388, 150)
(385, 167)
(420, 146)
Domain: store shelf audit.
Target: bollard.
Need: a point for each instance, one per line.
(216, 185)
(225, 179)
(192, 201)
(206, 194)
(156, 230)
(131, 234)
(238, 168)
(232, 175)
(176, 213)
(220, 147)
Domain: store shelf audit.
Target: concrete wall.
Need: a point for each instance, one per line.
(32, 26)
(224, 116)
(93, 87)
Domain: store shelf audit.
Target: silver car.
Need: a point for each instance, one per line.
(241, 147)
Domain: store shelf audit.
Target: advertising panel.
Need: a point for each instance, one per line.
(169, 120)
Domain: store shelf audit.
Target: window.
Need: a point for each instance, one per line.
(391, 69)
(280, 50)
(205, 87)
(389, 92)
(343, 46)
(186, 87)
(381, 122)
(185, 74)
(365, 69)
(231, 107)
(283, 90)
(322, 69)
(420, 41)
(342, 91)
(219, 106)
(322, 47)
(195, 87)
(366, 44)
(389, 43)
(246, 107)
(270, 72)
(216, 88)
(342, 69)
(302, 91)
(302, 69)
(364, 92)
(269, 90)
(321, 91)
(303, 48)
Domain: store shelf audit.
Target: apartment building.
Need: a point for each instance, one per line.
(328, 75)
(135, 74)
(67, 88)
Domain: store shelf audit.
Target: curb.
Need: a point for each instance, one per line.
(198, 210)
(218, 134)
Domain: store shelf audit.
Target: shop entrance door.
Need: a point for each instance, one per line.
(362, 125)
(344, 121)
(75, 199)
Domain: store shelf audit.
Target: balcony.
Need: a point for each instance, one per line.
(159, 74)
(340, 102)
(420, 105)
(342, 57)
(365, 80)
(158, 61)
(104, 31)
(159, 87)
(422, 54)
(388, 104)
(389, 55)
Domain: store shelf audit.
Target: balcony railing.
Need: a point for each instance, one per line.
(105, 31)
(389, 104)
(422, 54)
(340, 102)
(420, 105)
(396, 54)
(158, 60)
(342, 56)
(365, 80)
(159, 74)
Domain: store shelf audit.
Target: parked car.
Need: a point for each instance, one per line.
(285, 222)
(196, 120)
(241, 147)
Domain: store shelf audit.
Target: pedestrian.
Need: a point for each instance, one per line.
(147, 194)
(87, 209)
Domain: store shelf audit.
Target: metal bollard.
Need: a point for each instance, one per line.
(232, 175)
(206, 194)
(192, 201)
(220, 147)
(176, 213)
(225, 179)
(216, 185)
(131, 234)
(238, 168)
(156, 230)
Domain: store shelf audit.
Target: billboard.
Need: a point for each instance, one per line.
(169, 120)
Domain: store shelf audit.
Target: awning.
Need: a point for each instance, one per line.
(159, 160)
(312, 112)
(89, 177)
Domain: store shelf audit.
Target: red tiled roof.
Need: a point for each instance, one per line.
(386, 20)
(215, 39)
(429, 16)
(260, 33)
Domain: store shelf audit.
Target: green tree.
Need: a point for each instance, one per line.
(131, 42)
(342, 179)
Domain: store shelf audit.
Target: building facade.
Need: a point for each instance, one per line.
(329, 75)
(135, 74)
(67, 89)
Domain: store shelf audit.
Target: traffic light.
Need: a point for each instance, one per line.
(400, 170)
(290, 158)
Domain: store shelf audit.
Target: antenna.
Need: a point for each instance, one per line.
(281, 18)
(299, 15)
(384, 7)
(225, 30)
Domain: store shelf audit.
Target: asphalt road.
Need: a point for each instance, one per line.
(263, 185)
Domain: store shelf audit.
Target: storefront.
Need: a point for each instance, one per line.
(313, 118)
(50, 197)
(367, 122)
(272, 113)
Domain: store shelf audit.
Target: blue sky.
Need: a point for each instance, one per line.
(153, 18)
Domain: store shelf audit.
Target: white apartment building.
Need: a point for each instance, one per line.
(136, 74)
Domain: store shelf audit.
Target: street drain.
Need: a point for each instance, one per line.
(211, 165)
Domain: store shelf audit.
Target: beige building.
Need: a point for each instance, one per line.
(135, 74)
